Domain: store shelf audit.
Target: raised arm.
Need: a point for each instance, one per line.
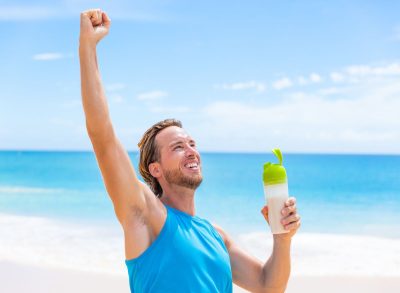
(126, 191)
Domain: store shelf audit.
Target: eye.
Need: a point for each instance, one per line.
(177, 147)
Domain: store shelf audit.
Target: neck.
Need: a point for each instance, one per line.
(180, 198)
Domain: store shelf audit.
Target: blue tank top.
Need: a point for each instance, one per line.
(187, 256)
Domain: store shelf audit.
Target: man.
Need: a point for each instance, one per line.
(167, 247)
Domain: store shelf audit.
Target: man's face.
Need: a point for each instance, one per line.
(179, 158)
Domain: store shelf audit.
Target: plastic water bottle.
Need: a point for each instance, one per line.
(276, 192)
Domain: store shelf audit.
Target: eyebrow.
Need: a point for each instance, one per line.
(180, 141)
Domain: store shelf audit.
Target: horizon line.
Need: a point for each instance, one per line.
(214, 152)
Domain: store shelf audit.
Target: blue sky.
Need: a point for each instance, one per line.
(306, 76)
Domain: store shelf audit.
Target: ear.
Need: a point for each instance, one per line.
(155, 170)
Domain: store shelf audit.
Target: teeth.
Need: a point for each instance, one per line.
(191, 165)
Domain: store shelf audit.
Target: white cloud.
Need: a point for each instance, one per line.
(362, 118)
(258, 86)
(336, 77)
(313, 78)
(153, 95)
(48, 56)
(316, 78)
(282, 83)
(332, 91)
(364, 70)
(359, 74)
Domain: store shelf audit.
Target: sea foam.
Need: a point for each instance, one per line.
(97, 247)
(318, 254)
(51, 243)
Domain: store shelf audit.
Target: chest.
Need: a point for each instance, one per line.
(188, 257)
(198, 246)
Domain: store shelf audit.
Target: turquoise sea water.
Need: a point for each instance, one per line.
(357, 194)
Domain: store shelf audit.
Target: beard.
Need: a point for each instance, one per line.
(177, 177)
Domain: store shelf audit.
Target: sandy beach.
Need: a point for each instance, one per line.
(27, 278)
(18, 278)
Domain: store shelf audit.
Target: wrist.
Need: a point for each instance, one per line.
(282, 238)
(86, 46)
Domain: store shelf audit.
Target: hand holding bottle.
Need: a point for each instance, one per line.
(290, 219)
(280, 212)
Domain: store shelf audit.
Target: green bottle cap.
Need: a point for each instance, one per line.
(274, 173)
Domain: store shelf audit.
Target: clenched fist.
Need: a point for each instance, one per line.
(95, 25)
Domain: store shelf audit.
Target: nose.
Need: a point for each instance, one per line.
(191, 151)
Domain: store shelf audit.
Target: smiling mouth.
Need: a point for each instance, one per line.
(192, 166)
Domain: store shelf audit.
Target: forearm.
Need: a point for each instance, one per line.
(276, 270)
(93, 96)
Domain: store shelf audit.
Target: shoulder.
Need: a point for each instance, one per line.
(227, 239)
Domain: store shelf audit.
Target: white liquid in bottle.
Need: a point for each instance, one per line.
(276, 196)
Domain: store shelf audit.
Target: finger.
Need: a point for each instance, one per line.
(106, 20)
(264, 212)
(99, 16)
(290, 201)
(94, 16)
(293, 226)
(289, 210)
(290, 219)
(91, 13)
(98, 19)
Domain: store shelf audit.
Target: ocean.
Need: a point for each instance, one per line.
(54, 210)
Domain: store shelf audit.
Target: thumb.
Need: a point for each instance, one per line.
(264, 212)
